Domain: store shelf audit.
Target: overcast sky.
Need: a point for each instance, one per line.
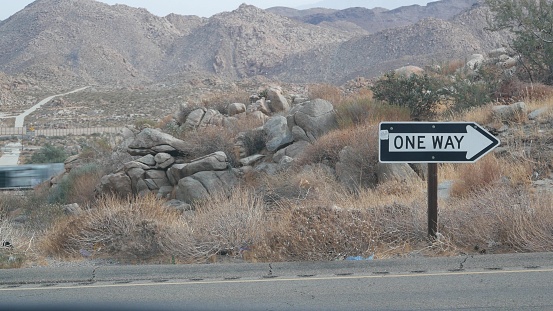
(210, 7)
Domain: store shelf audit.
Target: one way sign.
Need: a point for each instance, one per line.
(438, 142)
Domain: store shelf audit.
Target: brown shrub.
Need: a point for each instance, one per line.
(354, 112)
(220, 101)
(333, 233)
(484, 173)
(211, 139)
(229, 225)
(361, 155)
(311, 184)
(515, 90)
(500, 219)
(130, 230)
(327, 92)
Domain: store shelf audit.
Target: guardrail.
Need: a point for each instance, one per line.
(24, 131)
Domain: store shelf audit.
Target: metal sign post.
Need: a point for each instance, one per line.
(433, 143)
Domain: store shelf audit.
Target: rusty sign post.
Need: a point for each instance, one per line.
(433, 143)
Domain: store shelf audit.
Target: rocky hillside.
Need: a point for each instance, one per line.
(370, 21)
(76, 42)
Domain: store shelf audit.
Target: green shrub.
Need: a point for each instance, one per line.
(478, 88)
(420, 93)
(77, 186)
(49, 154)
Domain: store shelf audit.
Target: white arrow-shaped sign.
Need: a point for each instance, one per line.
(434, 142)
(472, 142)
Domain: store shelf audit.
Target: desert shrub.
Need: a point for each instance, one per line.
(77, 186)
(327, 92)
(475, 176)
(500, 219)
(220, 101)
(254, 141)
(229, 225)
(333, 233)
(48, 154)
(139, 230)
(326, 150)
(475, 90)
(211, 139)
(355, 112)
(12, 246)
(145, 123)
(309, 185)
(420, 93)
(513, 90)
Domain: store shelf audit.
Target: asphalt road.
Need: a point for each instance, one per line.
(486, 282)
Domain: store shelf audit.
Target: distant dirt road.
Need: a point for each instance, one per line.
(20, 119)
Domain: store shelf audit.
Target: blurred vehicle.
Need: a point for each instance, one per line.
(27, 176)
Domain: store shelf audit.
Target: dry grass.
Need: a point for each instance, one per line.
(500, 219)
(14, 245)
(475, 176)
(229, 225)
(327, 148)
(361, 110)
(327, 92)
(211, 139)
(130, 230)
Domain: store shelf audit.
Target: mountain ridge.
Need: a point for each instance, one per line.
(85, 41)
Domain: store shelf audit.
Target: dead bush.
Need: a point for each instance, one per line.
(327, 92)
(139, 230)
(211, 139)
(14, 245)
(500, 219)
(312, 184)
(229, 225)
(357, 161)
(220, 101)
(475, 176)
(334, 233)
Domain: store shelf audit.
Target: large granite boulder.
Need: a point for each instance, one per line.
(278, 133)
(310, 120)
(204, 184)
(152, 141)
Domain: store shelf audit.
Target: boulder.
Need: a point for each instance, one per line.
(475, 61)
(152, 141)
(118, 183)
(313, 119)
(148, 160)
(189, 190)
(177, 205)
(267, 168)
(293, 151)
(509, 112)
(155, 179)
(497, 52)
(136, 175)
(213, 162)
(408, 71)
(212, 117)
(260, 106)
(251, 160)
(72, 209)
(536, 114)
(236, 108)
(163, 160)
(278, 133)
(278, 102)
(203, 184)
(396, 171)
(193, 119)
